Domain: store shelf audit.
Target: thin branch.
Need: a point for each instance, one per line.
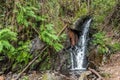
(96, 73)
(36, 30)
(62, 30)
(31, 62)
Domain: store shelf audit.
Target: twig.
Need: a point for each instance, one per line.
(31, 62)
(38, 55)
(96, 73)
(36, 30)
(62, 30)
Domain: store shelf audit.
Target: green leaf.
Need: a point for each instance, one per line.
(31, 14)
(38, 18)
(7, 34)
(58, 46)
(24, 55)
(25, 22)
(1, 46)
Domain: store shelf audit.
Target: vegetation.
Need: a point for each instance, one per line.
(21, 21)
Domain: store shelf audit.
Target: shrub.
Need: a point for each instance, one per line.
(6, 37)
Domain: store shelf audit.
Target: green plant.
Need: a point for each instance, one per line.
(104, 43)
(27, 13)
(115, 47)
(25, 78)
(6, 37)
(82, 11)
(48, 35)
(21, 55)
(101, 41)
(101, 10)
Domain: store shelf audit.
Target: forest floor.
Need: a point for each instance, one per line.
(111, 70)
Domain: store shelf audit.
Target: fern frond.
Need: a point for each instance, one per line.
(7, 34)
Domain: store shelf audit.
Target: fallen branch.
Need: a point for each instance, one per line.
(62, 30)
(30, 63)
(41, 61)
(38, 55)
(96, 73)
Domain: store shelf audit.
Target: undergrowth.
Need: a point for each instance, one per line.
(21, 21)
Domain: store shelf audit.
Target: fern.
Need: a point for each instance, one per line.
(99, 38)
(48, 35)
(101, 41)
(25, 13)
(6, 36)
(104, 44)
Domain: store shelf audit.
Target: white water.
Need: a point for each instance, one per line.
(78, 54)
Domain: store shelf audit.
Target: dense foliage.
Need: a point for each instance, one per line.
(21, 21)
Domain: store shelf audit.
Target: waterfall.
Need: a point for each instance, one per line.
(78, 53)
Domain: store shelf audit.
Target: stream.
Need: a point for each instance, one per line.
(78, 53)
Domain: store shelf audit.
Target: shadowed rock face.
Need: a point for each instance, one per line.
(75, 31)
(37, 44)
(79, 23)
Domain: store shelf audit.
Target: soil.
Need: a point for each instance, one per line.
(111, 70)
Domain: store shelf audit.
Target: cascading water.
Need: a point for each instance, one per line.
(78, 54)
